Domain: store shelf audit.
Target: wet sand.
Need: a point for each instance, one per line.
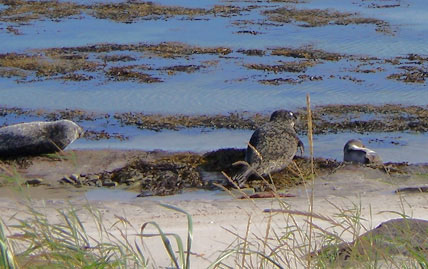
(215, 217)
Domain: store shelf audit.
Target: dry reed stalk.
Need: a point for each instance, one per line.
(245, 242)
(311, 151)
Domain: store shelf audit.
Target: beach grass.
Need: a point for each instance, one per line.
(291, 239)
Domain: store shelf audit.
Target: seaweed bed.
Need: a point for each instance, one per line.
(99, 61)
(20, 11)
(162, 173)
(321, 17)
(125, 12)
(171, 174)
(326, 119)
(129, 62)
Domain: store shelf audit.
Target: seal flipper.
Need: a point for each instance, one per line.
(242, 176)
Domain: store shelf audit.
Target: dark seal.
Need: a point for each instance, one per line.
(271, 147)
(37, 137)
(354, 151)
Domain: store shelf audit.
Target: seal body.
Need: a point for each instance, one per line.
(37, 137)
(271, 147)
(354, 151)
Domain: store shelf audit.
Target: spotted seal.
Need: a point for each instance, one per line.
(37, 137)
(271, 147)
(354, 151)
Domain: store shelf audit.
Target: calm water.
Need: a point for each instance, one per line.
(219, 88)
(392, 147)
(229, 86)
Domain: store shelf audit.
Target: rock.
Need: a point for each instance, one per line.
(146, 194)
(34, 181)
(130, 181)
(109, 184)
(76, 179)
(93, 177)
(66, 180)
(395, 237)
(37, 137)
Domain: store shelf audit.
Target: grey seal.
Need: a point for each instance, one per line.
(354, 151)
(37, 137)
(271, 147)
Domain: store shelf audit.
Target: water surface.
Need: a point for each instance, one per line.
(228, 85)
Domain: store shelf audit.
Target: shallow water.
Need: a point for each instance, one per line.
(392, 147)
(105, 194)
(228, 86)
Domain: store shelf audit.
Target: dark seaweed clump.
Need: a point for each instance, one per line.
(292, 67)
(104, 61)
(414, 68)
(326, 119)
(368, 118)
(320, 17)
(158, 122)
(172, 173)
(20, 11)
(307, 53)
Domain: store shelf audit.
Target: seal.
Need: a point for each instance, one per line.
(37, 137)
(354, 151)
(271, 147)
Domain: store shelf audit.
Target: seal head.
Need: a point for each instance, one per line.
(355, 152)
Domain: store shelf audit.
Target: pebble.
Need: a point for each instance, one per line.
(110, 184)
(76, 179)
(34, 181)
(66, 180)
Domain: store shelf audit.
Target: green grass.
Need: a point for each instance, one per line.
(38, 242)
(291, 239)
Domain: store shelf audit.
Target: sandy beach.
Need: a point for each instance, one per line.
(220, 220)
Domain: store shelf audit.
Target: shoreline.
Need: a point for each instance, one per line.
(151, 173)
(217, 223)
(327, 119)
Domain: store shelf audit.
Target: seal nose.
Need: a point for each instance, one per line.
(80, 132)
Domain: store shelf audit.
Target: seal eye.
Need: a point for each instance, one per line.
(291, 114)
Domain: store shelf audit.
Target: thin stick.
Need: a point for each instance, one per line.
(310, 136)
(245, 242)
(311, 197)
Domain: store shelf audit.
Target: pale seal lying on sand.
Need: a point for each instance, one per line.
(354, 151)
(37, 137)
(271, 147)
